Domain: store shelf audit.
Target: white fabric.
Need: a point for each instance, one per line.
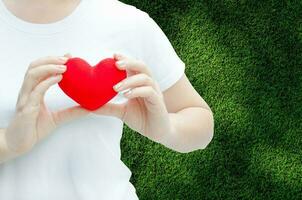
(80, 159)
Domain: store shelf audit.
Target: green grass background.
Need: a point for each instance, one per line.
(244, 58)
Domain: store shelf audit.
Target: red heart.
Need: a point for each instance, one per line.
(91, 87)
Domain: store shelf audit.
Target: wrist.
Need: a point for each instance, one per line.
(10, 148)
(168, 137)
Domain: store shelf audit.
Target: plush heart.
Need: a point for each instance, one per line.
(91, 87)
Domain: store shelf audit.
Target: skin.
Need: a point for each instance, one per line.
(184, 125)
(32, 120)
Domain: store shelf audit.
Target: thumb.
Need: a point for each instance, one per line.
(68, 114)
(68, 55)
(111, 109)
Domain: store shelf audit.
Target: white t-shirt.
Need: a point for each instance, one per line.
(80, 159)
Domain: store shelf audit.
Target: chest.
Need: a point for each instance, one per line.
(17, 51)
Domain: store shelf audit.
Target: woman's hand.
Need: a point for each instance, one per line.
(32, 120)
(145, 111)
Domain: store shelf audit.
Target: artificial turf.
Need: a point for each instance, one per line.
(244, 57)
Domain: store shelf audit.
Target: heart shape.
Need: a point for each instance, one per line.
(91, 87)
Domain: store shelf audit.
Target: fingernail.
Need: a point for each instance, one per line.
(121, 64)
(64, 59)
(62, 67)
(128, 92)
(117, 55)
(68, 55)
(117, 86)
(58, 77)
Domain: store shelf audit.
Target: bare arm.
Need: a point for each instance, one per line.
(191, 118)
(32, 120)
(177, 117)
(5, 153)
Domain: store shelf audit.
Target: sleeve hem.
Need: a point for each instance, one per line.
(172, 78)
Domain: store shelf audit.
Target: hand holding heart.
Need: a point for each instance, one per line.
(145, 111)
(32, 120)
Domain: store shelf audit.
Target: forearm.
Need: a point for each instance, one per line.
(5, 153)
(192, 129)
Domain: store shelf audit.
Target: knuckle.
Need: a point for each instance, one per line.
(20, 102)
(23, 112)
(51, 68)
(150, 79)
(140, 62)
(57, 118)
(32, 64)
(59, 67)
(143, 75)
(26, 73)
(161, 96)
(60, 76)
(147, 78)
(32, 74)
(155, 93)
(123, 112)
(150, 89)
(35, 94)
(149, 72)
(144, 66)
(19, 108)
(32, 109)
(50, 58)
(156, 84)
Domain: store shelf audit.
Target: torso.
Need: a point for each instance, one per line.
(80, 159)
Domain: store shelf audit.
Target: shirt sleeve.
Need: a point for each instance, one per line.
(158, 54)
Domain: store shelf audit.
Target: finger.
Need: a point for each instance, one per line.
(57, 60)
(68, 55)
(65, 115)
(38, 93)
(118, 56)
(34, 76)
(133, 65)
(146, 92)
(111, 109)
(135, 81)
(43, 71)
